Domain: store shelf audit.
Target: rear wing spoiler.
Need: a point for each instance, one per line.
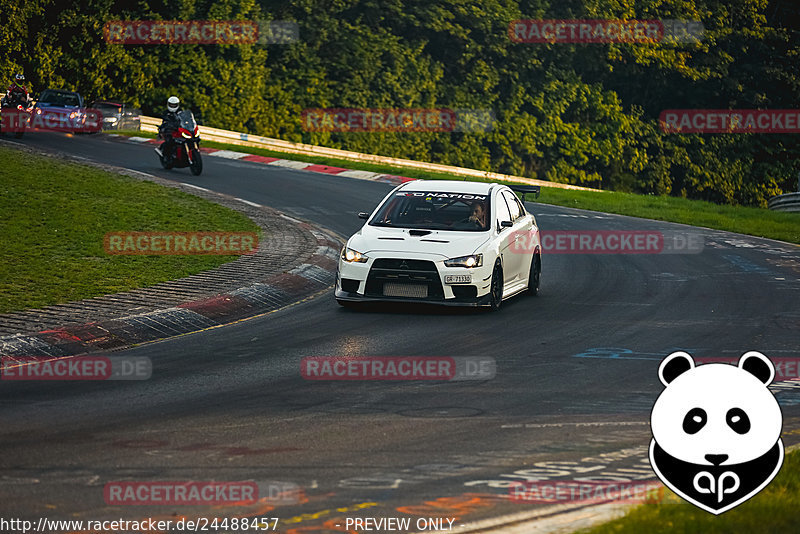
(526, 190)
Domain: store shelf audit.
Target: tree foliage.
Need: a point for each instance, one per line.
(577, 113)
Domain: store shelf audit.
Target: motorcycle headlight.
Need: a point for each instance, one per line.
(473, 260)
(353, 256)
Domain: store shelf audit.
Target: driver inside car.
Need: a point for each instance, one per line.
(478, 216)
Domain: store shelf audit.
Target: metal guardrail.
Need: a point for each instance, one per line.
(787, 202)
(150, 124)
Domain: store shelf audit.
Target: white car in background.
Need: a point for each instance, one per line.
(443, 242)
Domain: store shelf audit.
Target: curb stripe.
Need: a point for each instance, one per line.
(259, 159)
(302, 282)
(288, 163)
(325, 169)
(229, 154)
(361, 175)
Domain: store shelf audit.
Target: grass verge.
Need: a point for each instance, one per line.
(744, 220)
(773, 510)
(55, 215)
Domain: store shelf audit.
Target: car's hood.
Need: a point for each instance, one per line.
(54, 107)
(448, 244)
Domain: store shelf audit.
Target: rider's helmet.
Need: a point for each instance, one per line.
(19, 79)
(173, 103)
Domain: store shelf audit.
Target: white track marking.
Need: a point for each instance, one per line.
(248, 202)
(228, 154)
(291, 164)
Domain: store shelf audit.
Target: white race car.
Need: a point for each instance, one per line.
(444, 242)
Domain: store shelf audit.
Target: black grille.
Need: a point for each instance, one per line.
(349, 285)
(465, 292)
(416, 265)
(399, 271)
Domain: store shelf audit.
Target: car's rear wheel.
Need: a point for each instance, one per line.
(496, 288)
(535, 275)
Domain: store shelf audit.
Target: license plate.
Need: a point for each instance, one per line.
(458, 279)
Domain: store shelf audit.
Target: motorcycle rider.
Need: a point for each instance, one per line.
(169, 123)
(17, 93)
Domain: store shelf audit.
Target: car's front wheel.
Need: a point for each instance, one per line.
(496, 288)
(535, 275)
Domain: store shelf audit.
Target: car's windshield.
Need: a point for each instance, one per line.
(54, 98)
(434, 211)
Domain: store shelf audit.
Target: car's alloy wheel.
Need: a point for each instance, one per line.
(496, 289)
(535, 275)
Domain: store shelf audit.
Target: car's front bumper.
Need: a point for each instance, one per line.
(367, 282)
(463, 301)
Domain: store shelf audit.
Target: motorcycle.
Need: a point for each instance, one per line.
(186, 142)
(15, 113)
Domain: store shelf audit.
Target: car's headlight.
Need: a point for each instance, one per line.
(349, 255)
(473, 260)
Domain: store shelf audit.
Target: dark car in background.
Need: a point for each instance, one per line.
(118, 116)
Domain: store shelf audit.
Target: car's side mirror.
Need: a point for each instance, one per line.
(363, 215)
(506, 224)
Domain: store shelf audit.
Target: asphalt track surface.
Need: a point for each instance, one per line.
(576, 377)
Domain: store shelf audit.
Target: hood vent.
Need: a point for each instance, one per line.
(435, 240)
(393, 238)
